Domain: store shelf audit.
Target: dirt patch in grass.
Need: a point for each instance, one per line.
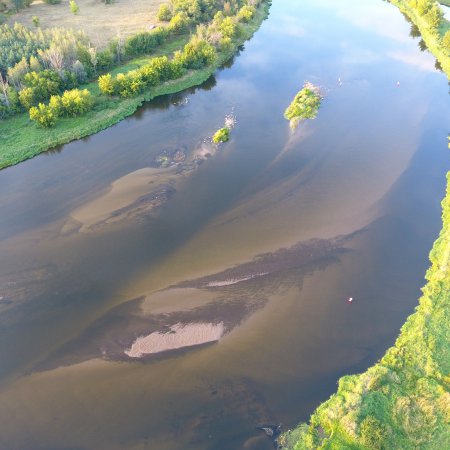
(99, 21)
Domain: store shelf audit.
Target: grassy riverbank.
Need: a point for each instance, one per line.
(402, 402)
(431, 36)
(23, 139)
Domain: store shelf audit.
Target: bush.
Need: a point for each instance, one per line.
(76, 102)
(446, 40)
(197, 54)
(229, 28)
(179, 23)
(145, 42)
(107, 84)
(164, 13)
(74, 7)
(246, 14)
(105, 60)
(40, 86)
(52, 2)
(27, 98)
(130, 84)
(44, 115)
(222, 135)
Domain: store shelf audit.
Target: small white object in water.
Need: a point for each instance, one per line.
(350, 299)
(398, 83)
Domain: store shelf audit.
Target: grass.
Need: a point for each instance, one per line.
(101, 22)
(23, 139)
(403, 401)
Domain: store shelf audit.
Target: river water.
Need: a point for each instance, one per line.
(148, 228)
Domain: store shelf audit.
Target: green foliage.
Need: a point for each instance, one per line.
(164, 13)
(179, 23)
(52, 2)
(39, 87)
(146, 42)
(196, 54)
(35, 20)
(70, 104)
(446, 41)
(246, 13)
(107, 84)
(222, 135)
(44, 115)
(373, 433)
(76, 102)
(74, 8)
(22, 140)
(18, 43)
(305, 105)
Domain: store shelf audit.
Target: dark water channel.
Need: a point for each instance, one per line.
(146, 228)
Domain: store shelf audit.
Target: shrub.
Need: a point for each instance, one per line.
(164, 13)
(179, 23)
(35, 20)
(196, 54)
(76, 102)
(222, 135)
(229, 28)
(446, 40)
(43, 115)
(27, 98)
(246, 13)
(105, 59)
(107, 84)
(145, 42)
(52, 2)
(74, 7)
(130, 84)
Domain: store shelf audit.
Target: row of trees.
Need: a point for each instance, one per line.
(201, 51)
(38, 65)
(429, 10)
(71, 103)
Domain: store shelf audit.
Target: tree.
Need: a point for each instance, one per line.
(4, 88)
(446, 40)
(164, 13)
(74, 7)
(107, 84)
(44, 115)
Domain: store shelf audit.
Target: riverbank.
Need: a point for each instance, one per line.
(23, 139)
(402, 402)
(431, 36)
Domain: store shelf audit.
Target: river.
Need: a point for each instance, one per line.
(252, 248)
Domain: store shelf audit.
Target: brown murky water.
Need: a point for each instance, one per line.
(243, 255)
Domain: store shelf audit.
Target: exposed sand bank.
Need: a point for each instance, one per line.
(179, 336)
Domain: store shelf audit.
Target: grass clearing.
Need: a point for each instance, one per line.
(101, 22)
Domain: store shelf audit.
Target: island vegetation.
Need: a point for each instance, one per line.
(70, 89)
(222, 135)
(403, 401)
(305, 105)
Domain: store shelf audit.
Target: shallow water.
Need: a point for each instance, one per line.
(99, 247)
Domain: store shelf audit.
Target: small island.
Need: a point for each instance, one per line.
(305, 105)
(222, 135)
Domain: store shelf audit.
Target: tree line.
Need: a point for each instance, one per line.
(37, 66)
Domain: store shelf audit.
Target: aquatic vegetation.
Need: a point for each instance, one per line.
(305, 105)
